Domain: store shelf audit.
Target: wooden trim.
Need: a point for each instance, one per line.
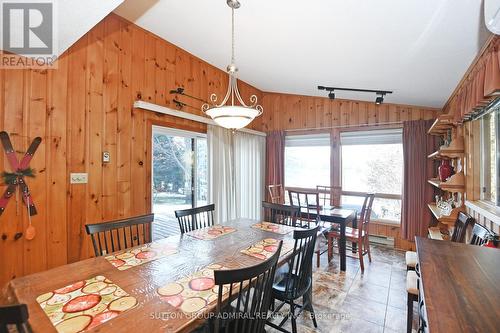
(189, 116)
(490, 212)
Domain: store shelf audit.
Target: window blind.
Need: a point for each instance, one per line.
(322, 139)
(373, 137)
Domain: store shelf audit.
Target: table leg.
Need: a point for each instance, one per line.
(342, 247)
(354, 244)
(330, 247)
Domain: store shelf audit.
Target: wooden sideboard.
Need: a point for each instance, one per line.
(459, 287)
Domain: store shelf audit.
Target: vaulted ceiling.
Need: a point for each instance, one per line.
(418, 48)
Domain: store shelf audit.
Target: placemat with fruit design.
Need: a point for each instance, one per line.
(85, 304)
(266, 248)
(273, 227)
(210, 233)
(193, 293)
(140, 255)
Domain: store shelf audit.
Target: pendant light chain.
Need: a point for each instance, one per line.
(232, 41)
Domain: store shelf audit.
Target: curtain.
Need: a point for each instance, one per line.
(249, 153)
(479, 86)
(236, 173)
(221, 172)
(275, 160)
(417, 193)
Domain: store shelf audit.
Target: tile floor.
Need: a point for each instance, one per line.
(351, 301)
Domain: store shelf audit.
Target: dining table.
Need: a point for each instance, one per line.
(141, 285)
(459, 287)
(333, 216)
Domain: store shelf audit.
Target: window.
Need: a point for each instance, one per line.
(307, 160)
(490, 157)
(372, 161)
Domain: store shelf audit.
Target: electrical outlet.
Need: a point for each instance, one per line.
(78, 178)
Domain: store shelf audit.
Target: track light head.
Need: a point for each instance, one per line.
(379, 100)
(331, 95)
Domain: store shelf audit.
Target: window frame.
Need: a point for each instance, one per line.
(370, 132)
(310, 140)
(485, 167)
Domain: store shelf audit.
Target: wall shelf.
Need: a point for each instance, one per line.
(441, 125)
(448, 186)
(450, 219)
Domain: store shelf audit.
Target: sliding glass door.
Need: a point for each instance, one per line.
(179, 175)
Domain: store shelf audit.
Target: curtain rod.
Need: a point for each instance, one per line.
(343, 126)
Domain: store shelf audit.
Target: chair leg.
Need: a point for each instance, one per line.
(360, 253)
(292, 311)
(409, 313)
(367, 244)
(313, 316)
(318, 253)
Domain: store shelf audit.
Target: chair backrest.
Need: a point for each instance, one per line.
(281, 214)
(195, 218)
(461, 224)
(121, 234)
(480, 235)
(301, 260)
(329, 195)
(251, 289)
(276, 193)
(14, 316)
(309, 204)
(365, 215)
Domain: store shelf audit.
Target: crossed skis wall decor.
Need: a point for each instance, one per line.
(20, 170)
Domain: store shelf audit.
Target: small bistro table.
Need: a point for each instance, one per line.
(338, 216)
(143, 281)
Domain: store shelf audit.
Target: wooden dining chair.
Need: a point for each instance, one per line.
(460, 229)
(276, 193)
(359, 235)
(297, 281)
(121, 234)
(14, 317)
(480, 235)
(309, 203)
(195, 218)
(281, 214)
(412, 286)
(249, 291)
(329, 195)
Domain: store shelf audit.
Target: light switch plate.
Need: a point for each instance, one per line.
(106, 158)
(78, 178)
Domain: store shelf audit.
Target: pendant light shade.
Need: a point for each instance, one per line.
(228, 114)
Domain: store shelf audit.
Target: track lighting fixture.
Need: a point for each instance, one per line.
(380, 93)
(380, 99)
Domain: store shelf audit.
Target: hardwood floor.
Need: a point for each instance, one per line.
(374, 301)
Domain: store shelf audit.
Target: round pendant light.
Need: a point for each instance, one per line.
(232, 113)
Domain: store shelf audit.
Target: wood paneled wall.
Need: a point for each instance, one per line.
(286, 112)
(80, 110)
